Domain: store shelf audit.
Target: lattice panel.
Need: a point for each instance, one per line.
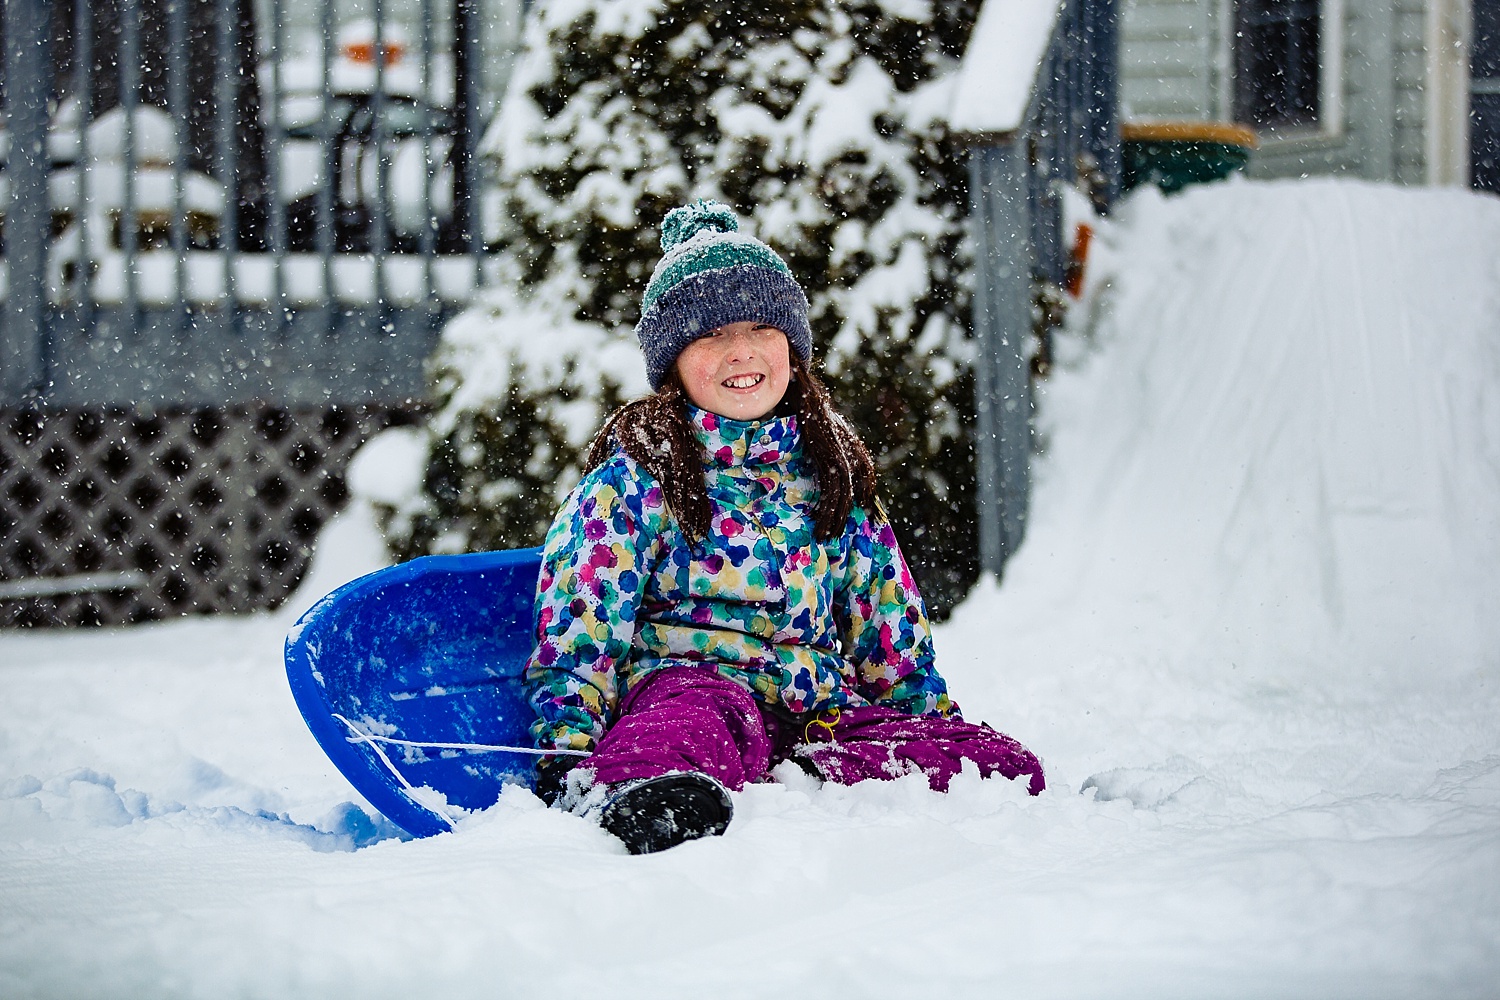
(109, 516)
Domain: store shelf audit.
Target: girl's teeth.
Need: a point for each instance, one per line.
(742, 381)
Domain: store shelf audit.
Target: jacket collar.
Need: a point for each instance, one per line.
(729, 443)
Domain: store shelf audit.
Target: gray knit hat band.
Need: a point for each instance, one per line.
(702, 303)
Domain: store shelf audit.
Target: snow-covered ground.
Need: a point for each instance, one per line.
(1254, 634)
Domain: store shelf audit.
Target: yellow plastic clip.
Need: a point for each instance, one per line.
(819, 721)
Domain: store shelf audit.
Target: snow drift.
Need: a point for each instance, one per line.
(1252, 633)
(1280, 443)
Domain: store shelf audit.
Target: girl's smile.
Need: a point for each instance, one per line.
(739, 371)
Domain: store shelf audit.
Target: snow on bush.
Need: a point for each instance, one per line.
(820, 122)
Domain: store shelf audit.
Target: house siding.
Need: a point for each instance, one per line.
(1166, 59)
(1410, 113)
(1172, 56)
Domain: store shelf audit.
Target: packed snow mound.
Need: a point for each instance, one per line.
(1246, 635)
(1274, 442)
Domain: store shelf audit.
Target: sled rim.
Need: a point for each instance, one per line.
(357, 761)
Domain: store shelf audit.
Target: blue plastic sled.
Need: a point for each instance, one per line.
(431, 651)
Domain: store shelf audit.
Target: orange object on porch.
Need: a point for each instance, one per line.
(1073, 278)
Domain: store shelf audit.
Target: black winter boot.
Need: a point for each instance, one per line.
(653, 814)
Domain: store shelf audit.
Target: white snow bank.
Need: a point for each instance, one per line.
(1284, 457)
(349, 546)
(389, 468)
(1268, 722)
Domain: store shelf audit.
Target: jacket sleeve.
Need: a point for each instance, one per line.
(886, 634)
(595, 564)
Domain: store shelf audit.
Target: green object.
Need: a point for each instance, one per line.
(1172, 163)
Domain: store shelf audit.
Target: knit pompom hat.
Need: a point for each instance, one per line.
(713, 274)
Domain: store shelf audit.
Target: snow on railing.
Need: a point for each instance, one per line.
(404, 280)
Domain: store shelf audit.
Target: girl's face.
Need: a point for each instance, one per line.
(739, 371)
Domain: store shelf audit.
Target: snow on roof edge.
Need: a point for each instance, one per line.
(1004, 55)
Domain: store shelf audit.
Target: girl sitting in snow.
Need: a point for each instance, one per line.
(722, 592)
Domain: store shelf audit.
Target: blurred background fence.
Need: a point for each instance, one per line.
(231, 232)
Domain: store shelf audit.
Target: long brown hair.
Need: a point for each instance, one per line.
(655, 432)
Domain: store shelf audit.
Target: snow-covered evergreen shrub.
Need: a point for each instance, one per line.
(820, 122)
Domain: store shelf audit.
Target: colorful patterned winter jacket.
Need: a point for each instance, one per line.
(804, 624)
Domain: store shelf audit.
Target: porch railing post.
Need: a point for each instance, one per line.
(1002, 327)
(1101, 39)
(28, 222)
(466, 123)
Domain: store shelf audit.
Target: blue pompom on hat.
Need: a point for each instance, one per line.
(711, 275)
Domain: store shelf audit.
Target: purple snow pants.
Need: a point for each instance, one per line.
(691, 719)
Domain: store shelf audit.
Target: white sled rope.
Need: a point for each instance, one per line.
(362, 735)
